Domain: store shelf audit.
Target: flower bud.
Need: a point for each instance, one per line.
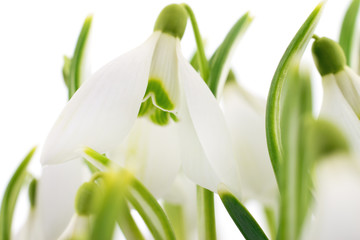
(87, 198)
(172, 20)
(328, 56)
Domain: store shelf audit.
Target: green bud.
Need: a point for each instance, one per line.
(86, 200)
(328, 56)
(32, 192)
(172, 20)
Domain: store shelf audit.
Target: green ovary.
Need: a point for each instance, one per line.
(156, 113)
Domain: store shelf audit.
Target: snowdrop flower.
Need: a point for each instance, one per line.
(337, 196)
(154, 104)
(341, 99)
(245, 117)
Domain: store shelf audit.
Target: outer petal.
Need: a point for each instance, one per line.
(209, 125)
(336, 108)
(151, 153)
(56, 196)
(102, 111)
(245, 117)
(337, 195)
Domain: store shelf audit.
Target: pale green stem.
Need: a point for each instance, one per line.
(175, 212)
(203, 63)
(206, 214)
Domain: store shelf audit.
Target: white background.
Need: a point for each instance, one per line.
(34, 36)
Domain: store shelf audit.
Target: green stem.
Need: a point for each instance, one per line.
(203, 63)
(206, 214)
(127, 224)
(176, 216)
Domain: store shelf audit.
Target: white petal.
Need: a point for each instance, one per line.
(245, 117)
(349, 84)
(209, 125)
(336, 109)
(337, 195)
(56, 196)
(102, 111)
(151, 153)
(194, 161)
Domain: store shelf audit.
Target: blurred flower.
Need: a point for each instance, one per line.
(245, 117)
(155, 105)
(337, 197)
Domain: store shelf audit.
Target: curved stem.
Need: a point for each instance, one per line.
(203, 62)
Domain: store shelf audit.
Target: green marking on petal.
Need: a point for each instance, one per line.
(174, 117)
(160, 96)
(160, 117)
(157, 104)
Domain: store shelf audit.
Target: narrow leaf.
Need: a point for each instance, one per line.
(150, 210)
(10, 197)
(295, 178)
(77, 61)
(66, 71)
(245, 222)
(220, 61)
(348, 28)
(295, 50)
(141, 199)
(127, 223)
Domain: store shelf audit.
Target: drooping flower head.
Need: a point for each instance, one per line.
(341, 99)
(150, 110)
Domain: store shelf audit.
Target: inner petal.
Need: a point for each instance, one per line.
(161, 100)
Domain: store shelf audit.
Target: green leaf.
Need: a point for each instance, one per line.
(295, 50)
(294, 175)
(245, 222)
(66, 71)
(10, 197)
(77, 61)
(220, 61)
(127, 223)
(142, 200)
(348, 28)
(150, 210)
